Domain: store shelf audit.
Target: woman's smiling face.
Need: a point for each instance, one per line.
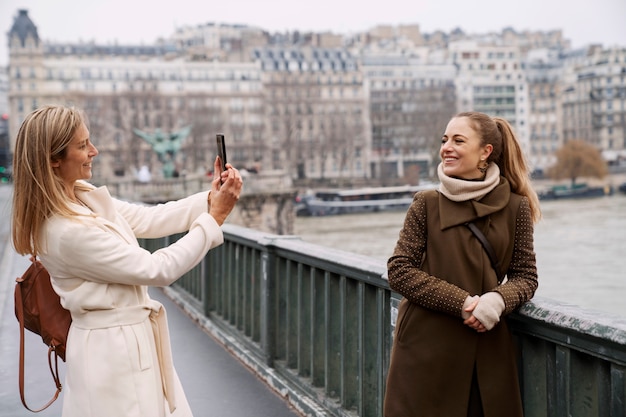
(462, 151)
(76, 164)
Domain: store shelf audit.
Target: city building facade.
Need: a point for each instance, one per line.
(320, 106)
(317, 112)
(544, 73)
(5, 144)
(411, 102)
(122, 88)
(490, 80)
(594, 102)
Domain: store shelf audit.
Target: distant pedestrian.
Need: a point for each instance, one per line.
(118, 351)
(453, 353)
(143, 175)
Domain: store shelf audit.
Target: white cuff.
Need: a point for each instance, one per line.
(489, 309)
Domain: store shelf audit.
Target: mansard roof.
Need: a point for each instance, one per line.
(92, 49)
(307, 59)
(23, 27)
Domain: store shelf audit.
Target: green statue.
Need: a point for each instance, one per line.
(166, 145)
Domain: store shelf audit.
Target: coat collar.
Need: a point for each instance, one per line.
(453, 213)
(99, 201)
(101, 204)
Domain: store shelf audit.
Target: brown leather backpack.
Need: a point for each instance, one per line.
(38, 309)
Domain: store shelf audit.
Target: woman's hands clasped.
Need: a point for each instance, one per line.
(483, 313)
(225, 191)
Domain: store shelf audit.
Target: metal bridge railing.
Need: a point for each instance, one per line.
(316, 324)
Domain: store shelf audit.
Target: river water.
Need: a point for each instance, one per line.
(580, 247)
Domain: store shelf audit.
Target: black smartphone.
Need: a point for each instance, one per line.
(221, 150)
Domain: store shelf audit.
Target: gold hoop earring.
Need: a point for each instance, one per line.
(482, 166)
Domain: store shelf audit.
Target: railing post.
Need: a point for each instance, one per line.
(267, 322)
(270, 272)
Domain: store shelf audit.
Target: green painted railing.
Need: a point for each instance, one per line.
(316, 324)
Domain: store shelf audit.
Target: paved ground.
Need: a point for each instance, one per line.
(216, 383)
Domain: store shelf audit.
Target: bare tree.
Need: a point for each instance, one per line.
(435, 106)
(109, 117)
(205, 115)
(113, 117)
(577, 158)
(292, 101)
(410, 120)
(312, 123)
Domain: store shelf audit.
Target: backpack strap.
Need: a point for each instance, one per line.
(19, 308)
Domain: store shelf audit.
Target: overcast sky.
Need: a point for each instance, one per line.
(142, 21)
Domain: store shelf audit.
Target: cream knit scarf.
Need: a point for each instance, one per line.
(462, 190)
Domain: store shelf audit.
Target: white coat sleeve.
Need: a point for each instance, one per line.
(96, 254)
(163, 219)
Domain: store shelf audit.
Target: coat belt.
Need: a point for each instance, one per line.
(125, 316)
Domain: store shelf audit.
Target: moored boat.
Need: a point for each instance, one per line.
(370, 199)
(575, 191)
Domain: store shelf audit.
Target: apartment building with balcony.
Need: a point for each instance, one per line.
(318, 124)
(594, 101)
(544, 74)
(122, 88)
(411, 101)
(490, 79)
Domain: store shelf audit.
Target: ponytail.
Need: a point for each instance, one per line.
(507, 154)
(514, 168)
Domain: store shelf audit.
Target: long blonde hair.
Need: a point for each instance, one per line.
(38, 192)
(507, 154)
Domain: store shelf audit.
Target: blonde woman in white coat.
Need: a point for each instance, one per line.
(118, 351)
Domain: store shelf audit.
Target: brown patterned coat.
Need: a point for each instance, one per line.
(436, 264)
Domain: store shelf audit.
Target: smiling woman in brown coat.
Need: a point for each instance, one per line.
(453, 354)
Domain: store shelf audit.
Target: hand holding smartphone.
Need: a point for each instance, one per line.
(221, 150)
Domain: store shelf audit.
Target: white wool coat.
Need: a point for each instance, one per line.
(118, 351)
